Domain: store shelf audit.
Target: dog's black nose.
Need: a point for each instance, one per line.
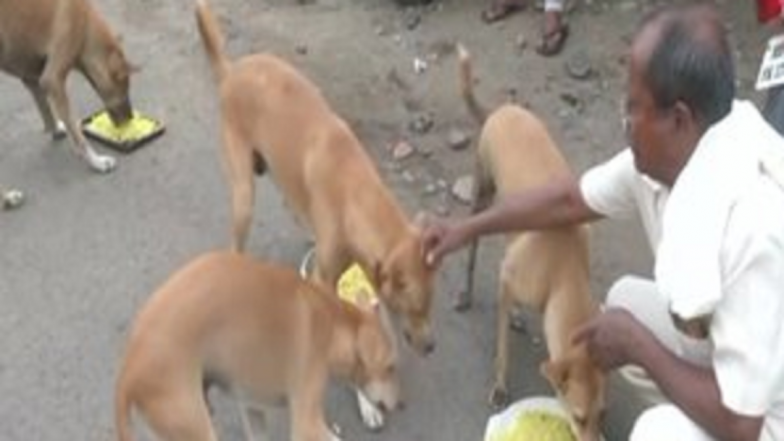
(429, 347)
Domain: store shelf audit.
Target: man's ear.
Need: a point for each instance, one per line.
(684, 116)
(556, 372)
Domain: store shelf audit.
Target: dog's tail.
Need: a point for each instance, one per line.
(213, 39)
(122, 412)
(467, 85)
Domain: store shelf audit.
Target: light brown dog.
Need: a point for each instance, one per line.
(273, 117)
(41, 41)
(254, 328)
(546, 270)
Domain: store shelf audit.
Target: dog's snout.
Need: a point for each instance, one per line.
(122, 113)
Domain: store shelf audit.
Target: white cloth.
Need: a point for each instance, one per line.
(721, 168)
(616, 190)
(747, 328)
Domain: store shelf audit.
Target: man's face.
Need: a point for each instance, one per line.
(649, 130)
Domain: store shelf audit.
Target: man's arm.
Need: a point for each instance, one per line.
(557, 204)
(554, 205)
(694, 390)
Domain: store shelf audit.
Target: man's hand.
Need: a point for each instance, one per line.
(612, 338)
(442, 237)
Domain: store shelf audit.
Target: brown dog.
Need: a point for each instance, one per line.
(546, 270)
(253, 327)
(272, 113)
(41, 41)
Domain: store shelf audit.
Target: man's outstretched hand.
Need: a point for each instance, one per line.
(441, 237)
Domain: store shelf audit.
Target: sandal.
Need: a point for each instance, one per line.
(552, 42)
(500, 9)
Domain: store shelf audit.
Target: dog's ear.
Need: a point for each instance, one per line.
(556, 372)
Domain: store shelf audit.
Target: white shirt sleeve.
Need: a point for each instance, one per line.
(748, 325)
(608, 189)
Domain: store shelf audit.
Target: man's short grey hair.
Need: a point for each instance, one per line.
(691, 61)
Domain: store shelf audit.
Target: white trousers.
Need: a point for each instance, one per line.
(662, 421)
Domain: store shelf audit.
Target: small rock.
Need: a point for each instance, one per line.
(463, 189)
(12, 199)
(301, 49)
(420, 65)
(402, 150)
(458, 139)
(442, 184)
(413, 20)
(521, 43)
(422, 123)
(627, 6)
(426, 152)
(408, 177)
(431, 189)
(394, 167)
(442, 210)
(579, 66)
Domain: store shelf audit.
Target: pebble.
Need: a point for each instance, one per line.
(463, 189)
(579, 66)
(402, 150)
(421, 123)
(12, 199)
(458, 139)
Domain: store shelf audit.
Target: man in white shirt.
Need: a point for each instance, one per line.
(705, 174)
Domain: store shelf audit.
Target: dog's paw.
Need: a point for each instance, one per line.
(59, 131)
(499, 397)
(461, 301)
(101, 163)
(372, 416)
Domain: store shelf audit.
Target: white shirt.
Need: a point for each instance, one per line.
(748, 324)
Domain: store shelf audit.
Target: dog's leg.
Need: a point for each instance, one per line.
(499, 395)
(483, 195)
(244, 410)
(180, 415)
(307, 411)
(239, 162)
(53, 82)
(372, 416)
(51, 126)
(331, 261)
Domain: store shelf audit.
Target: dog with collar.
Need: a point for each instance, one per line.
(258, 330)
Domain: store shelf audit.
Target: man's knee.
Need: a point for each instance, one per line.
(666, 422)
(625, 292)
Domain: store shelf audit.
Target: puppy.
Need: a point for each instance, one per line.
(254, 328)
(41, 41)
(546, 270)
(274, 119)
